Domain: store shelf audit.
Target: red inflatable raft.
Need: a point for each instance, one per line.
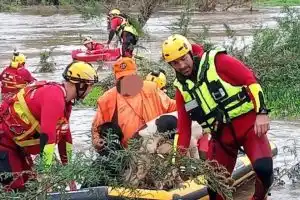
(96, 55)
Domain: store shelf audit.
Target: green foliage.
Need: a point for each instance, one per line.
(8, 6)
(136, 24)
(47, 63)
(92, 97)
(277, 2)
(275, 58)
(283, 100)
(90, 9)
(118, 168)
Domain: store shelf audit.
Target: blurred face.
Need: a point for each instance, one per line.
(89, 46)
(131, 85)
(183, 65)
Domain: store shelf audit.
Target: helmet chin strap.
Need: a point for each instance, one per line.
(80, 89)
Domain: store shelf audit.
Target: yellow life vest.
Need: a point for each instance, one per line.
(210, 99)
(125, 26)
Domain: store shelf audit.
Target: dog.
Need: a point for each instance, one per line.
(168, 123)
(158, 140)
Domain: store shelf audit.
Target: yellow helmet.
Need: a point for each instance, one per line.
(17, 60)
(80, 72)
(158, 77)
(114, 12)
(175, 47)
(87, 40)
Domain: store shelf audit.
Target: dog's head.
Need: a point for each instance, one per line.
(167, 124)
(112, 134)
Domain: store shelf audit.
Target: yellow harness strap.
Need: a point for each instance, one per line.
(14, 85)
(34, 123)
(27, 143)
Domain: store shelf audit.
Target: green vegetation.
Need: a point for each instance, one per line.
(8, 6)
(275, 57)
(141, 10)
(47, 63)
(92, 97)
(277, 2)
(120, 168)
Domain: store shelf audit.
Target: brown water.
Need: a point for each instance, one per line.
(33, 33)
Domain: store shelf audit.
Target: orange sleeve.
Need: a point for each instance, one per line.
(172, 105)
(106, 105)
(168, 104)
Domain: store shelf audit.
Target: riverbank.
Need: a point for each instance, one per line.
(43, 10)
(67, 7)
(277, 2)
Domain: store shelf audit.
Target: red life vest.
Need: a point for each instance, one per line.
(24, 128)
(12, 81)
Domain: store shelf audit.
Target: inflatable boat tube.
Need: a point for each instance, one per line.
(97, 55)
(192, 191)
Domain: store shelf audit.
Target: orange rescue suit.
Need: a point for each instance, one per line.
(133, 111)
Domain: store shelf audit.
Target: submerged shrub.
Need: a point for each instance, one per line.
(46, 63)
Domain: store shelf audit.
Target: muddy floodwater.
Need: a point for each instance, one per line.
(32, 33)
